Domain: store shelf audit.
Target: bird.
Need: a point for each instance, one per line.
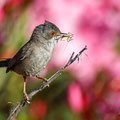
(33, 57)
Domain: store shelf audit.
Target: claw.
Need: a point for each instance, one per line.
(25, 93)
(26, 98)
(44, 79)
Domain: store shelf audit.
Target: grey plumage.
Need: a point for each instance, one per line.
(34, 56)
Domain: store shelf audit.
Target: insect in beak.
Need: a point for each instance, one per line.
(64, 36)
(67, 36)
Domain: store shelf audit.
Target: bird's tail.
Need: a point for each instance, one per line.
(4, 63)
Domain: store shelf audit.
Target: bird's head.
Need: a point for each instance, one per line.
(51, 31)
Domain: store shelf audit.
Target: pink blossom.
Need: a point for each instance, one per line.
(75, 97)
(93, 23)
(113, 99)
(1, 15)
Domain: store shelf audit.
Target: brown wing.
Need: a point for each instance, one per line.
(24, 52)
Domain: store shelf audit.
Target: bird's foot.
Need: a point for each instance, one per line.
(44, 79)
(26, 98)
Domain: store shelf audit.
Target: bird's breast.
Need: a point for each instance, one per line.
(38, 61)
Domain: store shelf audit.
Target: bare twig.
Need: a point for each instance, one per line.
(23, 102)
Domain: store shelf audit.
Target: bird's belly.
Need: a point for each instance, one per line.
(34, 65)
(37, 66)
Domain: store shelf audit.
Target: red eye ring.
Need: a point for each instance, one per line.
(52, 33)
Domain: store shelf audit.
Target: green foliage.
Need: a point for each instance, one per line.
(118, 46)
(61, 112)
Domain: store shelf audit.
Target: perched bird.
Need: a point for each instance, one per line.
(34, 56)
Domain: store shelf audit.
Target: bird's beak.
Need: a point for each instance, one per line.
(64, 36)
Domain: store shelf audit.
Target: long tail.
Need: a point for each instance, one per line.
(4, 63)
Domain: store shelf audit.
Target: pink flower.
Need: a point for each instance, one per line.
(1, 15)
(93, 23)
(75, 98)
(113, 99)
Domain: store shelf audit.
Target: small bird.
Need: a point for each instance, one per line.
(34, 56)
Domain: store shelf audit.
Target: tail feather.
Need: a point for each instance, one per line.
(4, 63)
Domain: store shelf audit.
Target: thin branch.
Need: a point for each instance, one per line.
(23, 102)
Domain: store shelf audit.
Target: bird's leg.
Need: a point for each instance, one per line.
(44, 79)
(24, 91)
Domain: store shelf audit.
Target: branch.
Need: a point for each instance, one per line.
(23, 102)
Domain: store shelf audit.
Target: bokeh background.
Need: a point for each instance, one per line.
(89, 90)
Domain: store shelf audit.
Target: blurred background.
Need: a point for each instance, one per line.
(89, 90)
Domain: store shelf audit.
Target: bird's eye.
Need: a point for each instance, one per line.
(52, 33)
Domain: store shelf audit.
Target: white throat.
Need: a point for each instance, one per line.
(50, 44)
